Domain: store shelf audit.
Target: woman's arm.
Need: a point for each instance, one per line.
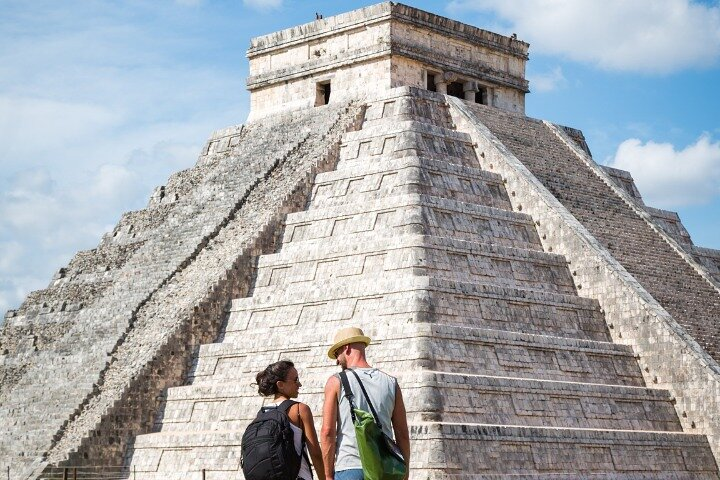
(312, 440)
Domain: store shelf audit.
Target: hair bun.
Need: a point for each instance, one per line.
(273, 373)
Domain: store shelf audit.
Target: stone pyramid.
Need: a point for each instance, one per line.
(505, 368)
(542, 321)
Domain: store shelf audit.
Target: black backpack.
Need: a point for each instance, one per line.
(268, 448)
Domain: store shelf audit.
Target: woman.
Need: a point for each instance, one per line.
(281, 380)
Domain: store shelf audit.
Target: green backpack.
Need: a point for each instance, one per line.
(380, 456)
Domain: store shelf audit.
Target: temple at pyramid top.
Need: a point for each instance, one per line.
(383, 46)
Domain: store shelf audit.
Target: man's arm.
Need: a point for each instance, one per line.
(328, 432)
(400, 426)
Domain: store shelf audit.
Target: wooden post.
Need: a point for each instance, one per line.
(203, 474)
(134, 468)
(65, 473)
(75, 473)
(8, 472)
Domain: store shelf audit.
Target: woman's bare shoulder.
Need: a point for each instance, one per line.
(304, 409)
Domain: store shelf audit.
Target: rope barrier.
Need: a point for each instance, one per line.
(101, 472)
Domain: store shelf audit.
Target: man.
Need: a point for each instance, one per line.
(338, 443)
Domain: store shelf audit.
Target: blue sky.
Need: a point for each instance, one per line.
(100, 101)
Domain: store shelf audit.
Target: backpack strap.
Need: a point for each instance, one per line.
(348, 394)
(367, 397)
(285, 407)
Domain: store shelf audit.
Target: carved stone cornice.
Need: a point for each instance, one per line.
(460, 31)
(387, 12)
(473, 70)
(317, 66)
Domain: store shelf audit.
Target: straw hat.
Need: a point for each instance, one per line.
(346, 336)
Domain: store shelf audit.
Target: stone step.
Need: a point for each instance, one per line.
(369, 161)
(392, 137)
(578, 453)
(436, 475)
(77, 382)
(412, 213)
(240, 359)
(455, 447)
(407, 255)
(401, 106)
(444, 397)
(450, 151)
(394, 126)
(346, 299)
(446, 348)
(707, 257)
(436, 300)
(517, 310)
(412, 174)
(26, 419)
(498, 353)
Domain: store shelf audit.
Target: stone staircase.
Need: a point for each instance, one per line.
(692, 299)
(670, 223)
(506, 371)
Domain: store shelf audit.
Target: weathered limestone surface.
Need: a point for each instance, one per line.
(122, 350)
(707, 257)
(670, 357)
(671, 224)
(505, 369)
(645, 252)
(622, 179)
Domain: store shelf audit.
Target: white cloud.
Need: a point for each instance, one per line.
(32, 126)
(653, 36)
(548, 81)
(263, 5)
(10, 252)
(112, 180)
(671, 178)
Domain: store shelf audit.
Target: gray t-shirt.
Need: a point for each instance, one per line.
(381, 388)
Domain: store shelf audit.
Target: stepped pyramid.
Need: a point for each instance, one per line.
(542, 321)
(505, 368)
